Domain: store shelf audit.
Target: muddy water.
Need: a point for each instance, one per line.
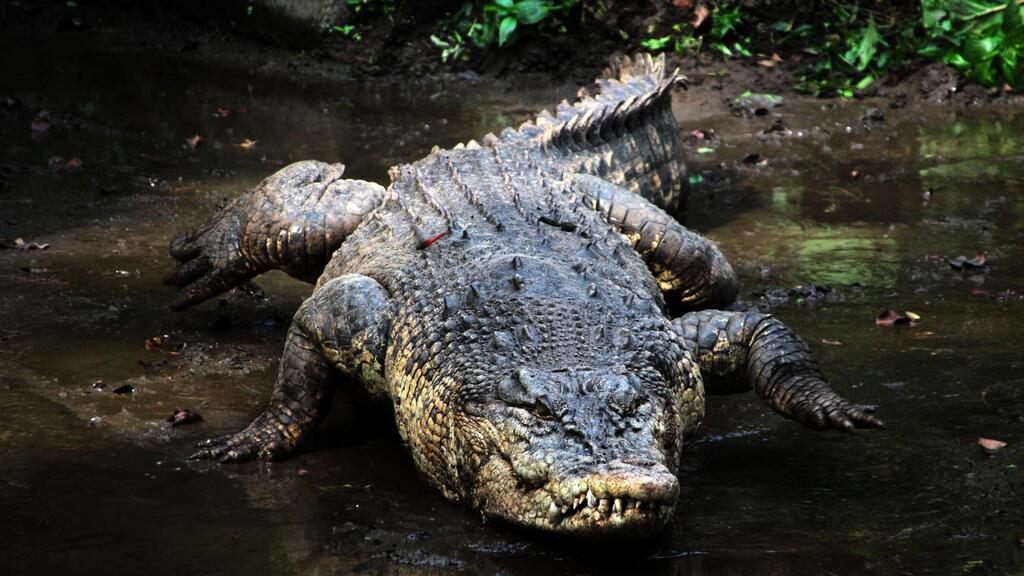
(91, 480)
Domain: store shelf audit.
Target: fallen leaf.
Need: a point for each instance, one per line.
(1008, 295)
(184, 416)
(766, 63)
(20, 244)
(700, 14)
(247, 144)
(194, 142)
(831, 342)
(225, 111)
(41, 123)
(892, 317)
(154, 343)
(57, 164)
(989, 445)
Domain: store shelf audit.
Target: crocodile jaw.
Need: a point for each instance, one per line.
(616, 499)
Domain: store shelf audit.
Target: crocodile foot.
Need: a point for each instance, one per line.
(817, 406)
(259, 440)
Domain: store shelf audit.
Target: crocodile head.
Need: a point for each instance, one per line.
(580, 436)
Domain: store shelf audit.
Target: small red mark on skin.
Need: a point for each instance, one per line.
(431, 240)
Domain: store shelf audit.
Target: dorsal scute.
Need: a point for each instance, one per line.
(631, 89)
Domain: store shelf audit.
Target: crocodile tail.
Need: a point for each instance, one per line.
(625, 133)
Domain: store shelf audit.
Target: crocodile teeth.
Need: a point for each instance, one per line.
(591, 499)
(617, 507)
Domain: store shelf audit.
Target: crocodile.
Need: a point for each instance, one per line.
(512, 299)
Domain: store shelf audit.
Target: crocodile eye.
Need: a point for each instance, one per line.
(541, 410)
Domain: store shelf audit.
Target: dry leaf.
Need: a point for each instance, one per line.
(989, 445)
(892, 317)
(193, 142)
(20, 244)
(700, 14)
(831, 342)
(247, 144)
(766, 63)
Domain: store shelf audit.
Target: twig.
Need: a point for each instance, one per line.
(989, 12)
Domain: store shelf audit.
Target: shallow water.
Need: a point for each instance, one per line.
(91, 480)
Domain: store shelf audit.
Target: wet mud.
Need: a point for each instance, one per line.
(830, 212)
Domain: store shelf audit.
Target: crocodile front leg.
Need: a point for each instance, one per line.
(689, 267)
(338, 328)
(293, 220)
(740, 350)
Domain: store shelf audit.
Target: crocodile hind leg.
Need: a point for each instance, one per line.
(690, 268)
(337, 329)
(293, 221)
(738, 351)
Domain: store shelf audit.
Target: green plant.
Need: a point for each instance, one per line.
(348, 31)
(983, 40)
(724, 35)
(489, 24)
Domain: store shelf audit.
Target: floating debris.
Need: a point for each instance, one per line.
(989, 445)
(194, 142)
(976, 265)
(183, 416)
(892, 318)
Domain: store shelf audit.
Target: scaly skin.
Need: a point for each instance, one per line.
(509, 299)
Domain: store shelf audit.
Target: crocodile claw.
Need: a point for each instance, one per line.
(820, 408)
(249, 444)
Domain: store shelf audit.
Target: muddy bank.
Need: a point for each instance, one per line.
(395, 47)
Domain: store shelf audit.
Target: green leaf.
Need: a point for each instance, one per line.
(1010, 72)
(864, 82)
(983, 49)
(505, 29)
(530, 11)
(956, 60)
(705, 150)
(506, 4)
(982, 72)
(867, 46)
(656, 43)
(721, 48)
(1011, 18)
